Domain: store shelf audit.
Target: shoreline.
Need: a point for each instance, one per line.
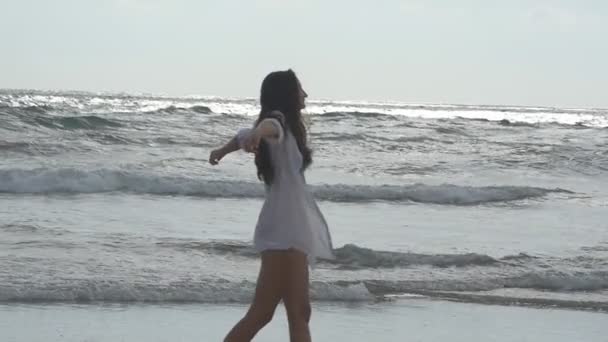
(414, 318)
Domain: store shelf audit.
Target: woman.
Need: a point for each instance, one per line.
(291, 231)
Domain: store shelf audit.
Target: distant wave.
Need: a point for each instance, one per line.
(76, 122)
(37, 116)
(352, 137)
(69, 180)
(370, 115)
(176, 109)
(450, 130)
(602, 247)
(38, 96)
(14, 146)
(33, 109)
(505, 122)
(513, 117)
(87, 103)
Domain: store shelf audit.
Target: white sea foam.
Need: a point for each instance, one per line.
(89, 103)
(206, 291)
(71, 180)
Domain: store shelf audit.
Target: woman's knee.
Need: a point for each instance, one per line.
(260, 317)
(299, 313)
(307, 311)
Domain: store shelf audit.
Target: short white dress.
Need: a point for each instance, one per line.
(290, 217)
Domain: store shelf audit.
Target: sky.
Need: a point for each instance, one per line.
(516, 52)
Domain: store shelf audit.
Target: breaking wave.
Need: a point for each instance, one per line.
(69, 180)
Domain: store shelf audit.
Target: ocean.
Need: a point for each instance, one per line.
(108, 199)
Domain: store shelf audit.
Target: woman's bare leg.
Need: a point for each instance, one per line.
(296, 297)
(268, 293)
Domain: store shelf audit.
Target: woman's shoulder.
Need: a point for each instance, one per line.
(278, 115)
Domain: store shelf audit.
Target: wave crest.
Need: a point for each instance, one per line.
(70, 180)
(201, 291)
(176, 109)
(353, 256)
(75, 122)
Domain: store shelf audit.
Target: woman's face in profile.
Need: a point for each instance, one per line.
(302, 96)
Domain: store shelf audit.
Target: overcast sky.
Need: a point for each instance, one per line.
(526, 52)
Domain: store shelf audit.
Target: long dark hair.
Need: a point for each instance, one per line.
(281, 92)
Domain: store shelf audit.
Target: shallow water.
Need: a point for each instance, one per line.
(406, 320)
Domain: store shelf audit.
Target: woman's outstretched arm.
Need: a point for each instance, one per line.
(249, 139)
(232, 145)
(216, 155)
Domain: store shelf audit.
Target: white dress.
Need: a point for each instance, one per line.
(290, 217)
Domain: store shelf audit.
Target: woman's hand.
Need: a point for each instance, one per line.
(216, 155)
